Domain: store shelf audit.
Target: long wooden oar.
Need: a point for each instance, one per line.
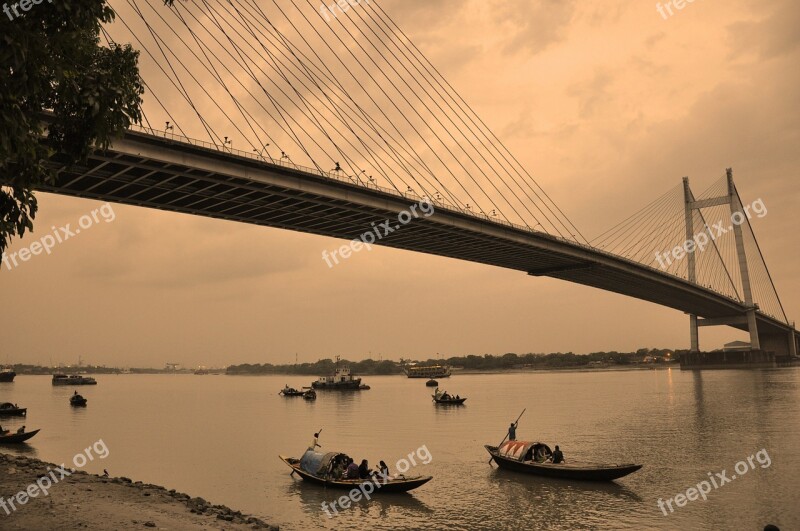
(504, 438)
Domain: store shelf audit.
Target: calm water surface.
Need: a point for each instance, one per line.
(219, 437)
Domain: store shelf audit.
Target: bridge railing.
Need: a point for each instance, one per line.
(341, 176)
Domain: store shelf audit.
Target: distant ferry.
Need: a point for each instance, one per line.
(341, 380)
(73, 379)
(7, 375)
(429, 371)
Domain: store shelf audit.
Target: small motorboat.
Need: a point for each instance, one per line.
(532, 458)
(364, 387)
(309, 394)
(432, 383)
(15, 438)
(77, 400)
(315, 467)
(290, 391)
(7, 409)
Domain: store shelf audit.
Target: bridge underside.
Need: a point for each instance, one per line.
(154, 172)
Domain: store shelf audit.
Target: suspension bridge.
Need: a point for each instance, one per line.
(278, 116)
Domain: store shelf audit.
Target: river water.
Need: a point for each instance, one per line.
(219, 437)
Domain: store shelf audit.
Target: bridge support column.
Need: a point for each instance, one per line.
(695, 338)
(752, 326)
(793, 344)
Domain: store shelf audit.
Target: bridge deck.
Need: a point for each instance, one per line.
(156, 172)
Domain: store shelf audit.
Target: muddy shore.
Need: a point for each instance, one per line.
(87, 501)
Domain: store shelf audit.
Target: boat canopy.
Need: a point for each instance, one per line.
(317, 463)
(523, 450)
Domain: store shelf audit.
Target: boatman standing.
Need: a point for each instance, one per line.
(512, 432)
(315, 444)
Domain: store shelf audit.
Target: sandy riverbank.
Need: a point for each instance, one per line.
(86, 501)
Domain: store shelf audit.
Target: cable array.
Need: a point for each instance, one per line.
(340, 91)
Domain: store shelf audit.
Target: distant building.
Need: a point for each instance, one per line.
(736, 346)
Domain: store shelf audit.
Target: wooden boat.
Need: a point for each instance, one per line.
(77, 401)
(290, 391)
(16, 438)
(310, 394)
(525, 456)
(447, 399)
(7, 409)
(315, 467)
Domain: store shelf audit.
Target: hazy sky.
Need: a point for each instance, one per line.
(607, 103)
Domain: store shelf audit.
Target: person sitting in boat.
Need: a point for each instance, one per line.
(2, 431)
(383, 469)
(363, 470)
(352, 469)
(21, 430)
(557, 457)
(541, 455)
(446, 396)
(339, 469)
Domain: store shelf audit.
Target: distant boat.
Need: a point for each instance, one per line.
(519, 456)
(201, 371)
(7, 375)
(310, 394)
(290, 391)
(446, 398)
(16, 438)
(427, 371)
(432, 383)
(315, 467)
(77, 401)
(7, 409)
(73, 379)
(341, 380)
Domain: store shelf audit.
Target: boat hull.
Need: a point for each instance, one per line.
(17, 438)
(452, 402)
(17, 412)
(564, 470)
(7, 377)
(386, 486)
(354, 385)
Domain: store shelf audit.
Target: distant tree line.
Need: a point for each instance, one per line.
(471, 362)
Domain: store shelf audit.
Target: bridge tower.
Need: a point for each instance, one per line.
(737, 212)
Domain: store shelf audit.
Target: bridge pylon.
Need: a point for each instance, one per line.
(737, 211)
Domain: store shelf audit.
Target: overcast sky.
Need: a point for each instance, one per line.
(607, 103)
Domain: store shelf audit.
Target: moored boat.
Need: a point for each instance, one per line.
(341, 380)
(73, 379)
(7, 409)
(290, 391)
(531, 458)
(431, 383)
(316, 467)
(77, 400)
(16, 438)
(309, 394)
(7, 375)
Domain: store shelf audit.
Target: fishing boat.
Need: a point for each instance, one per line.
(431, 383)
(445, 398)
(427, 371)
(16, 438)
(7, 409)
(7, 375)
(309, 394)
(77, 400)
(531, 458)
(341, 380)
(73, 379)
(315, 467)
(290, 391)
